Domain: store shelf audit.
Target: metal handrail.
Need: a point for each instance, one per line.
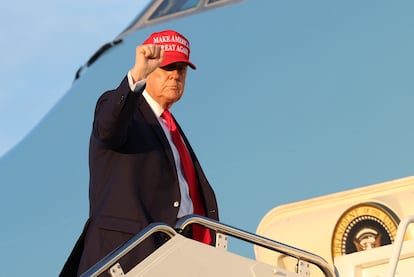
(258, 240)
(399, 239)
(112, 257)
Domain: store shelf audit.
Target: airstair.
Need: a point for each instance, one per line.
(184, 257)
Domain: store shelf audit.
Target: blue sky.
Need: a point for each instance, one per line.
(296, 99)
(44, 44)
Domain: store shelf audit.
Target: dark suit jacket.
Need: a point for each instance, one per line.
(133, 179)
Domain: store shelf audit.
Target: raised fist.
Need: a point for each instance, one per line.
(148, 57)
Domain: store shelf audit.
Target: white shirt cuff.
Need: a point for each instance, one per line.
(137, 86)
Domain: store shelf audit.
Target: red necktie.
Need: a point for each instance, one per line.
(199, 233)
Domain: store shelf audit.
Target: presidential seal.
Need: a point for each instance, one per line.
(363, 227)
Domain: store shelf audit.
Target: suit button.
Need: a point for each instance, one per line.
(176, 204)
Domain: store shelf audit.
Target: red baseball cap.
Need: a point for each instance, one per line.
(176, 47)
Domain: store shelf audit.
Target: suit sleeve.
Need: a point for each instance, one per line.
(113, 113)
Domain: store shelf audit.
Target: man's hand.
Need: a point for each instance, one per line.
(148, 57)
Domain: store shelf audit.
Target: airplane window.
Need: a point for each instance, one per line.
(213, 1)
(173, 6)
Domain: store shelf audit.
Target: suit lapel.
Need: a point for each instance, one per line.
(150, 117)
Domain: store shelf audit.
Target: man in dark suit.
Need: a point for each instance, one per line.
(138, 174)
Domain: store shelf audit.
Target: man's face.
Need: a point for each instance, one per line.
(166, 84)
